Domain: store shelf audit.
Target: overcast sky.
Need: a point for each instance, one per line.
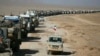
(63, 3)
(71, 2)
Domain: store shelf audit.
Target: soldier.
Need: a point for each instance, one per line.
(55, 28)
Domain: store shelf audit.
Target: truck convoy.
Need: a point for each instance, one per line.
(14, 28)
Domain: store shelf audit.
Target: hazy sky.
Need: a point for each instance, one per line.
(72, 2)
(63, 3)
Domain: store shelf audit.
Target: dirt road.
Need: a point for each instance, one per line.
(81, 36)
(35, 44)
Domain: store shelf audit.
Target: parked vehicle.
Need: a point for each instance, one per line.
(55, 44)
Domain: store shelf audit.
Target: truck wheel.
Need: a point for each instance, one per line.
(37, 24)
(33, 29)
(16, 49)
(24, 35)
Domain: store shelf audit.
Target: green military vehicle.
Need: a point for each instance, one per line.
(5, 43)
(30, 20)
(13, 31)
(34, 17)
(15, 22)
(27, 22)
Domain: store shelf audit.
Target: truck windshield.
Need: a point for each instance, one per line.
(55, 39)
(27, 19)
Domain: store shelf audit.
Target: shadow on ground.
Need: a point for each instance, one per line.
(25, 52)
(63, 53)
(39, 31)
(41, 26)
(41, 23)
(31, 39)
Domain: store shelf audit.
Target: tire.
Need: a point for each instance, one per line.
(33, 28)
(24, 34)
(16, 49)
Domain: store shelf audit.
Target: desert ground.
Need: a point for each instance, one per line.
(80, 33)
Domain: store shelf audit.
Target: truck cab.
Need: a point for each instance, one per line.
(14, 19)
(34, 17)
(27, 22)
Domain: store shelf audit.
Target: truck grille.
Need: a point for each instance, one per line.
(55, 46)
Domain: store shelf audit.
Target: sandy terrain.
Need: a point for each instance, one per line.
(36, 43)
(80, 33)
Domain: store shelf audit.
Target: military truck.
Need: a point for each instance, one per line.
(34, 16)
(35, 21)
(5, 42)
(13, 31)
(14, 22)
(54, 44)
(9, 41)
(31, 13)
(30, 19)
(27, 22)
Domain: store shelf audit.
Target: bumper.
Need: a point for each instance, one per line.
(58, 50)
